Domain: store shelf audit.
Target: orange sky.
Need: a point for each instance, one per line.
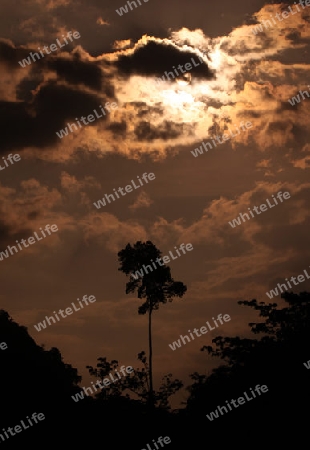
(244, 77)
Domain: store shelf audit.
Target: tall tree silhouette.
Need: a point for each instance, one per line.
(156, 287)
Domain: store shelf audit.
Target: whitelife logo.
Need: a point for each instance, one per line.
(307, 364)
(122, 9)
(267, 24)
(3, 346)
(18, 428)
(187, 66)
(259, 390)
(274, 292)
(166, 260)
(90, 117)
(53, 47)
(15, 157)
(203, 330)
(48, 228)
(263, 208)
(297, 98)
(166, 440)
(127, 188)
(42, 325)
(106, 382)
(225, 137)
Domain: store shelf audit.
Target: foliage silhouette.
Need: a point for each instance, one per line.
(102, 371)
(136, 383)
(275, 359)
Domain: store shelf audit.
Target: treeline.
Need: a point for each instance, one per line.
(33, 379)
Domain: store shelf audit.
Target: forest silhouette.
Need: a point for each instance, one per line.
(34, 379)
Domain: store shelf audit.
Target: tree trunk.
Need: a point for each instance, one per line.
(151, 393)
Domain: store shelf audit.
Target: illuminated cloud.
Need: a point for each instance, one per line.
(100, 21)
(143, 201)
(121, 45)
(234, 82)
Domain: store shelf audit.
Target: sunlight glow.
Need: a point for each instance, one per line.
(177, 98)
(215, 59)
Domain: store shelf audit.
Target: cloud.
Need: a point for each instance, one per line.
(152, 57)
(100, 21)
(28, 208)
(70, 183)
(110, 232)
(142, 201)
(233, 82)
(35, 124)
(79, 72)
(121, 45)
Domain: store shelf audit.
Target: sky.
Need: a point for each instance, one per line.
(243, 77)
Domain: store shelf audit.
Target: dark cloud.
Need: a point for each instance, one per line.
(145, 110)
(24, 91)
(33, 215)
(73, 69)
(4, 234)
(35, 124)
(8, 237)
(11, 55)
(153, 59)
(118, 128)
(274, 237)
(79, 72)
(295, 37)
(168, 130)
